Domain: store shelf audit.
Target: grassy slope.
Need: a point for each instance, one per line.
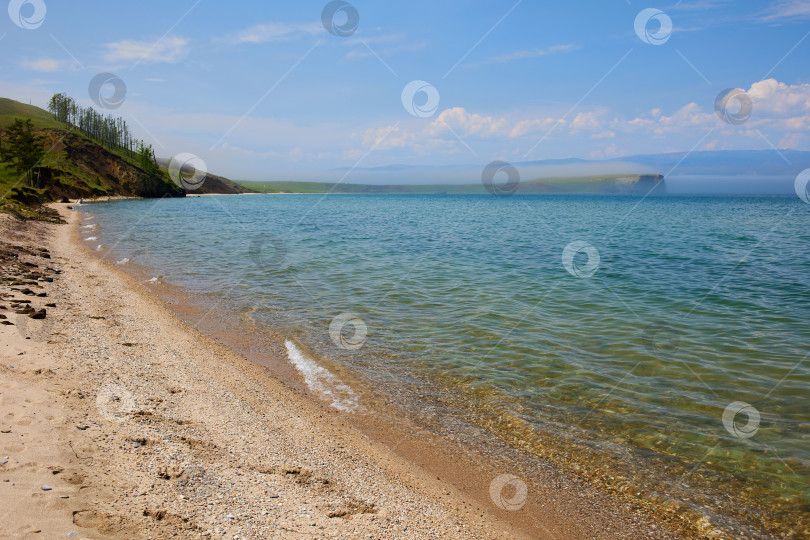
(10, 109)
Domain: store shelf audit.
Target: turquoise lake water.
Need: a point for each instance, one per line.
(656, 346)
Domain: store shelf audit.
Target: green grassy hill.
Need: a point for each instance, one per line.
(10, 110)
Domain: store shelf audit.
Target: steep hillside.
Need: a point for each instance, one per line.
(77, 166)
(213, 184)
(74, 166)
(220, 184)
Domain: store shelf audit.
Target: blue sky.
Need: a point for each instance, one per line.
(261, 90)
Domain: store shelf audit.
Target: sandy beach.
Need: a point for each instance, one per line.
(120, 421)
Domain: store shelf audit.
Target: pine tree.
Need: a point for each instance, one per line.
(112, 132)
(23, 149)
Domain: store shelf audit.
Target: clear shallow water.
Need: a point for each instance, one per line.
(623, 376)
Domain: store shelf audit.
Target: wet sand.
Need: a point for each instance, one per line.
(141, 427)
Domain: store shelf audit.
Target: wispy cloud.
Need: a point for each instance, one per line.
(785, 10)
(365, 52)
(699, 5)
(272, 31)
(531, 53)
(382, 38)
(168, 50)
(50, 65)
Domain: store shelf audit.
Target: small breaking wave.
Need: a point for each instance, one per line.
(91, 238)
(322, 381)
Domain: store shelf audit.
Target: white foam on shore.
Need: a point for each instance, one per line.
(153, 280)
(125, 260)
(91, 226)
(322, 381)
(91, 238)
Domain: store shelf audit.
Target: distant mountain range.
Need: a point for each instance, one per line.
(766, 163)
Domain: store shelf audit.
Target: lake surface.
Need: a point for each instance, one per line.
(657, 347)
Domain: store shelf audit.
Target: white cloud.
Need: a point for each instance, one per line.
(689, 116)
(366, 52)
(247, 152)
(796, 123)
(711, 145)
(787, 10)
(382, 38)
(699, 5)
(441, 134)
(273, 31)
(375, 136)
(607, 152)
(468, 125)
(776, 98)
(50, 65)
(781, 112)
(394, 137)
(779, 109)
(524, 127)
(794, 141)
(585, 121)
(532, 53)
(168, 50)
(380, 45)
(296, 154)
